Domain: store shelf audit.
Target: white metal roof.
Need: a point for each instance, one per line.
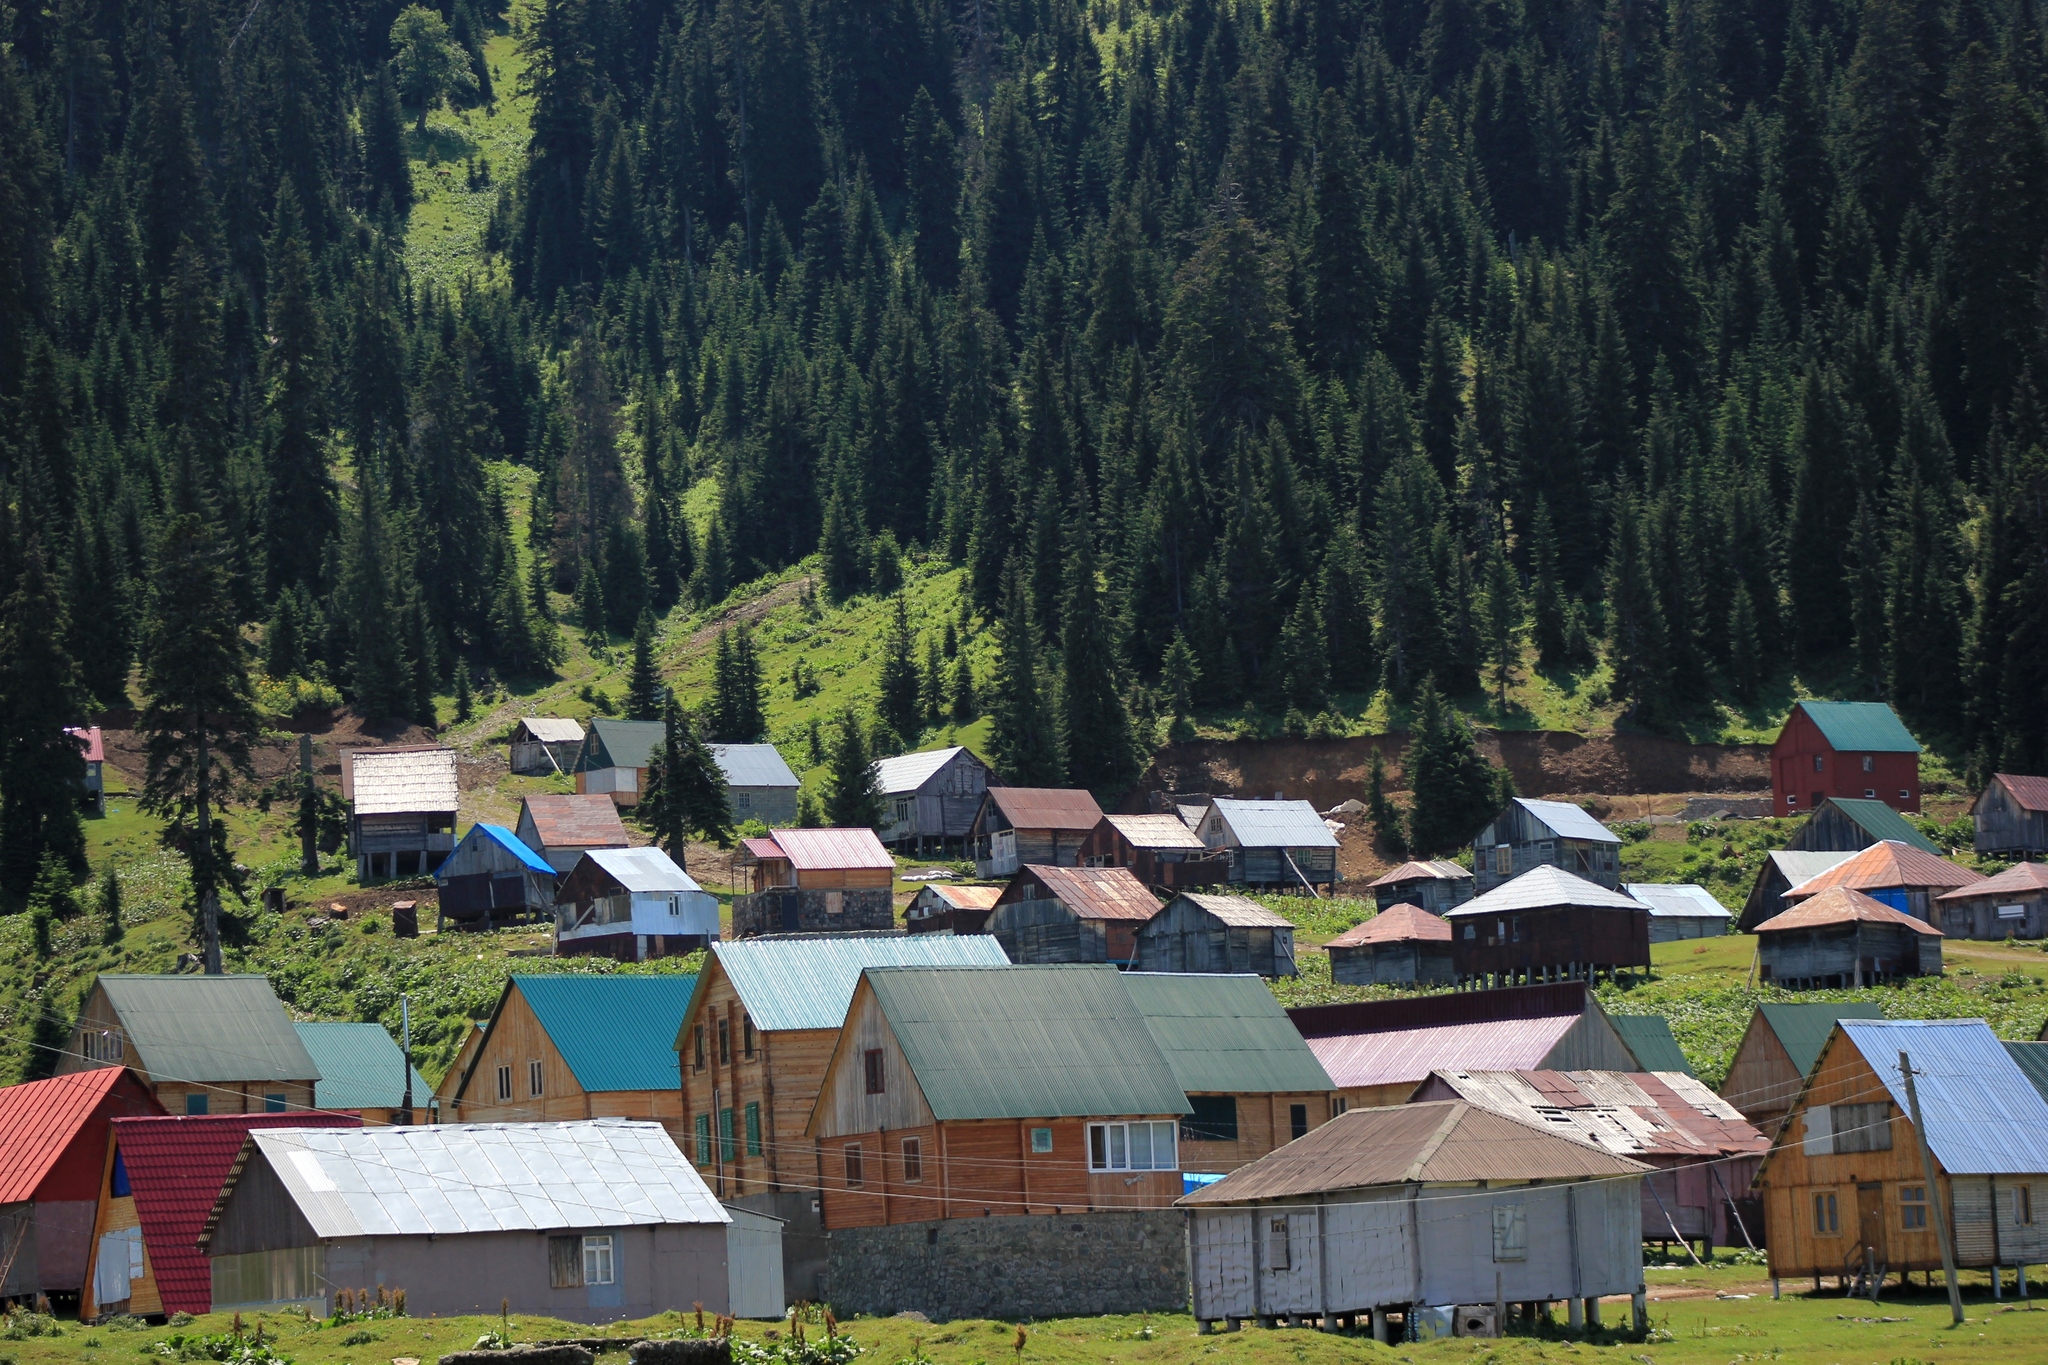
(484, 1177)
(642, 869)
(1983, 1116)
(1568, 821)
(1540, 887)
(1274, 824)
(1239, 912)
(1677, 900)
(752, 765)
(403, 781)
(905, 773)
(553, 729)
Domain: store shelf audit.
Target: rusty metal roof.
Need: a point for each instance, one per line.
(810, 850)
(966, 897)
(580, 821)
(1436, 869)
(1046, 807)
(89, 736)
(1840, 905)
(1887, 863)
(1155, 831)
(404, 781)
(2020, 879)
(1634, 1114)
(1395, 924)
(2031, 792)
(1446, 1140)
(1096, 892)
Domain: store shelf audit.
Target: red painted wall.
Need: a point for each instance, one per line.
(1839, 775)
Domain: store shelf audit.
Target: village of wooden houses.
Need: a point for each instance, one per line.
(1206, 1065)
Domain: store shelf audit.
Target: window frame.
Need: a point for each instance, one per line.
(1913, 1208)
(913, 1161)
(2023, 1205)
(874, 1071)
(746, 1035)
(600, 1259)
(1110, 1149)
(697, 1048)
(1297, 1122)
(565, 1262)
(1827, 1213)
(1278, 1238)
(725, 1042)
(505, 1083)
(1510, 1231)
(853, 1166)
(1199, 1126)
(536, 1079)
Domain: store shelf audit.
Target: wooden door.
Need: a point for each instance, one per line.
(1870, 1217)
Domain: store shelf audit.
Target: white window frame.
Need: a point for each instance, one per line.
(600, 1259)
(1111, 1146)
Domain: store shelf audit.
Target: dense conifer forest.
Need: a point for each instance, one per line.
(1240, 353)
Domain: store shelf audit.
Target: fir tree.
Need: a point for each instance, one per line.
(1501, 621)
(1639, 648)
(1025, 741)
(1095, 717)
(1456, 791)
(1380, 809)
(685, 787)
(111, 928)
(853, 795)
(1179, 672)
(465, 701)
(643, 687)
(1304, 656)
(42, 769)
(896, 689)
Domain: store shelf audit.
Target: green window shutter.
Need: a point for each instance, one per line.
(753, 1130)
(725, 1148)
(703, 1139)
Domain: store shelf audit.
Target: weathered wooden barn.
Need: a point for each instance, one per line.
(492, 878)
(402, 803)
(562, 828)
(1403, 945)
(1842, 938)
(544, 745)
(1160, 850)
(1391, 1209)
(1852, 824)
(943, 908)
(1072, 914)
(1202, 931)
(363, 1070)
(53, 1148)
(1898, 875)
(202, 1044)
(1548, 924)
(1778, 1048)
(1281, 844)
(1854, 749)
(815, 881)
(615, 755)
(632, 904)
(1046, 826)
(1434, 885)
(1532, 834)
(1782, 870)
(759, 784)
(929, 800)
(1680, 910)
(2013, 904)
(2011, 816)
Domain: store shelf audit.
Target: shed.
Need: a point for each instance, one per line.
(1403, 945)
(1548, 924)
(1378, 1051)
(1854, 749)
(545, 744)
(589, 1221)
(1251, 1081)
(1531, 834)
(2011, 816)
(402, 809)
(1850, 824)
(1160, 850)
(758, 782)
(160, 1178)
(53, 1146)
(1202, 931)
(815, 881)
(1899, 875)
(562, 828)
(1648, 1038)
(95, 754)
(203, 1044)
(929, 799)
(492, 878)
(1778, 1048)
(1071, 914)
(1782, 870)
(1271, 843)
(1042, 825)
(2013, 904)
(1434, 885)
(754, 1261)
(1680, 910)
(1442, 1203)
(362, 1069)
(615, 756)
(632, 904)
(943, 908)
(1844, 1181)
(1842, 938)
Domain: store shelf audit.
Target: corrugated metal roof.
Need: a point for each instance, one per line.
(39, 1120)
(1648, 1039)
(764, 849)
(1224, 1034)
(1046, 807)
(807, 983)
(1094, 893)
(1861, 727)
(1981, 1113)
(552, 729)
(403, 781)
(1359, 1060)
(642, 869)
(1025, 1042)
(1431, 1011)
(620, 743)
(574, 821)
(1796, 865)
(966, 897)
(1448, 1140)
(1541, 887)
(1238, 912)
(208, 1028)
(1887, 864)
(1840, 905)
(2031, 1058)
(1568, 821)
(752, 765)
(1632, 1114)
(823, 849)
(1435, 869)
(1155, 831)
(361, 1067)
(1274, 824)
(511, 843)
(905, 773)
(2021, 879)
(2029, 791)
(612, 1032)
(89, 736)
(1802, 1030)
(1676, 900)
(1880, 821)
(509, 1177)
(1396, 924)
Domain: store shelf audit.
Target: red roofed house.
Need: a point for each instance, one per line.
(1160, 850)
(2014, 904)
(1403, 945)
(53, 1142)
(1842, 938)
(2012, 816)
(812, 881)
(158, 1181)
(1895, 874)
(95, 766)
(1020, 825)
(562, 828)
(1844, 749)
(1072, 914)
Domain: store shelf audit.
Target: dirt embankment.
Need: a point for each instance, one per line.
(274, 757)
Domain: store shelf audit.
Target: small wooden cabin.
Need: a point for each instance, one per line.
(1545, 925)
(94, 793)
(942, 908)
(1852, 824)
(2011, 815)
(402, 809)
(363, 1070)
(1680, 910)
(1403, 945)
(1844, 939)
(632, 904)
(1044, 826)
(1071, 914)
(929, 800)
(1283, 844)
(1854, 749)
(1782, 870)
(562, 828)
(1204, 932)
(615, 756)
(815, 881)
(492, 878)
(2013, 904)
(1531, 834)
(543, 745)
(1434, 885)
(1778, 1049)
(758, 783)
(1896, 874)
(1160, 850)
(203, 1044)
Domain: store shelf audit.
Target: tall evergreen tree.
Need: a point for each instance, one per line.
(1025, 741)
(643, 686)
(896, 689)
(42, 768)
(686, 790)
(1456, 790)
(1094, 715)
(853, 794)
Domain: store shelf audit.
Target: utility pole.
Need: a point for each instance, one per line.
(1935, 1205)
(405, 1032)
(309, 811)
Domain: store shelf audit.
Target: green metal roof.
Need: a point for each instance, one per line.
(613, 1032)
(1881, 822)
(1648, 1036)
(1803, 1029)
(807, 983)
(1225, 1034)
(361, 1067)
(208, 1029)
(1026, 1042)
(619, 744)
(2033, 1060)
(1861, 727)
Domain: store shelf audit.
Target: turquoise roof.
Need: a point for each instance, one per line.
(360, 1067)
(613, 1032)
(1861, 727)
(807, 983)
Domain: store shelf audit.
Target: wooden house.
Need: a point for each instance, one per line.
(1250, 1080)
(562, 828)
(543, 745)
(1403, 945)
(1896, 874)
(492, 878)
(1844, 749)
(94, 794)
(1046, 826)
(1530, 834)
(402, 803)
(941, 908)
(758, 783)
(632, 904)
(53, 1146)
(615, 755)
(363, 1070)
(1434, 885)
(1071, 914)
(1680, 910)
(1778, 1049)
(815, 881)
(1852, 824)
(2011, 816)
(1160, 850)
(1387, 1209)
(2013, 904)
(1548, 924)
(1378, 1051)
(1844, 939)
(517, 1198)
(445, 1109)
(1204, 932)
(1782, 870)
(202, 1044)
(1271, 843)
(1846, 1183)
(930, 799)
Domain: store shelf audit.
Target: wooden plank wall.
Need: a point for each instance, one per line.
(1263, 1124)
(516, 1039)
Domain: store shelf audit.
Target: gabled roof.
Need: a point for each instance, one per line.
(1860, 727)
(1797, 865)
(509, 841)
(208, 1028)
(1025, 1042)
(1435, 869)
(1568, 821)
(1879, 821)
(752, 765)
(2032, 1059)
(807, 983)
(966, 897)
(40, 1120)
(1096, 892)
(552, 729)
(577, 820)
(2021, 879)
(1633, 1114)
(612, 1032)
(1046, 807)
(1840, 905)
(1155, 831)
(1883, 865)
(1676, 900)
(1802, 1030)
(1981, 1114)
(1237, 912)
(1224, 1034)
(1274, 824)
(620, 743)
(360, 1068)
(89, 737)
(2028, 791)
(810, 850)
(763, 848)
(1541, 887)
(1447, 1140)
(1395, 924)
(905, 773)
(176, 1167)
(1648, 1039)
(1381, 1042)
(402, 781)
(646, 870)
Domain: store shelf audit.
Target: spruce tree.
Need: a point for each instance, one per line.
(853, 795)
(42, 769)
(896, 688)
(465, 698)
(1025, 740)
(643, 686)
(1095, 715)
(1639, 649)
(1501, 620)
(1304, 656)
(685, 786)
(301, 512)
(1380, 810)
(1456, 790)
(111, 928)
(1180, 674)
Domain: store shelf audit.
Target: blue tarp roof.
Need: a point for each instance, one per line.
(1982, 1115)
(533, 861)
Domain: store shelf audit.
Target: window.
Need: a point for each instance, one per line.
(1863, 1127)
(854, 1175)
(533, 1079)
(697, 1047)
(1132, 1147)
(273, 1102)
(1818, 764)
(1041, 1140)
(599, 1265)
(1819, 1139)
(565, 1262)
(504, 1083)
(725, 1142)
(1297, 1122)
(1276, 1243)
(195, 1104)
(1510, 1232)
(725, 1042)
(1905, 795)
(1214, 1119)
(1912, 1206)
(1503, 860)
(742, 800)
(1870, 793)
(2023, 1205)
(753, 1121)
(1338, 1106)
(747, 1036)
(913, 1161)
(1790, 799)
(872, 1062)
(1869, 764)
(1826, 1218)
(703, 1139)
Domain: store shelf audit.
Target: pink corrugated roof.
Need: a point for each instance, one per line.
(1395, 924)
(1355, 1060)
(810, 850)
(763, 849)
(95, 751)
